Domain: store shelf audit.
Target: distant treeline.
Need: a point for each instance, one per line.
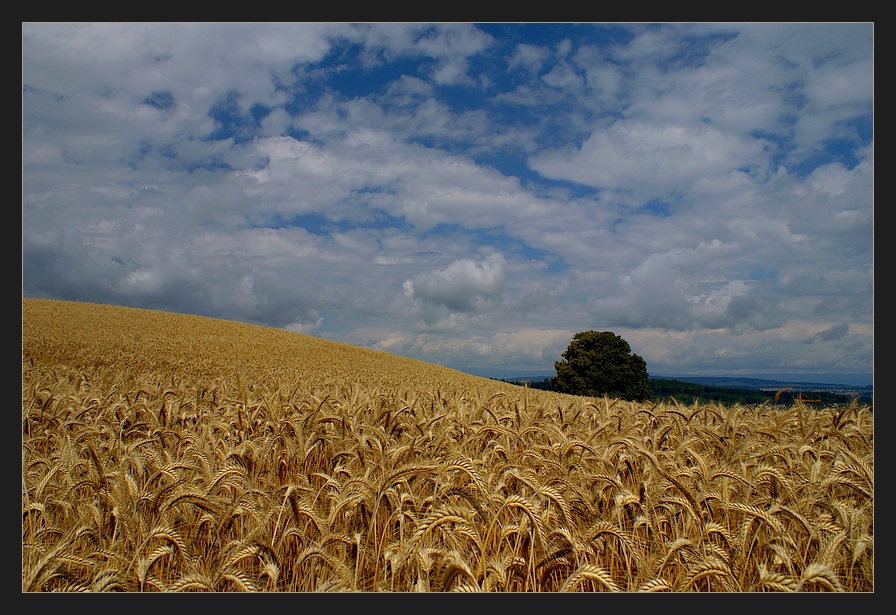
(687, 393)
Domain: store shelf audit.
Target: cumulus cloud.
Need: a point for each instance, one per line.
(832, 334)
(463, 286)
(529, 57)
(649, 160)
(532, 346)
(530, 351)
(677, 289)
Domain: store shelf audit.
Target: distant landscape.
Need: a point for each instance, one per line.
(824, 381)
(763, 384)
(739, 381)
(740, 389)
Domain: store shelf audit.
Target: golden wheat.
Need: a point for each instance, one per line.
(165, 452)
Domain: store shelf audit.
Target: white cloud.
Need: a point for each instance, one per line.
(529, 57)
(462, 286)
(369, 183)
(533, 346)
(564, 77)
(649, 160)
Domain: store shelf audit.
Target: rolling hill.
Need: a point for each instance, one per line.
(148, 340)
(167, 452)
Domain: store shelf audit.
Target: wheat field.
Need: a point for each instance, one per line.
(168, 453)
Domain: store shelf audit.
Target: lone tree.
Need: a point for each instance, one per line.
(597, 364)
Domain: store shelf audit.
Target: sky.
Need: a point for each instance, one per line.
(466, 194)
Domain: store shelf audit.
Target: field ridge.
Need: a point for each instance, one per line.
(153, 339)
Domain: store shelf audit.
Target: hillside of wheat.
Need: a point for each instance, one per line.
(164, 452)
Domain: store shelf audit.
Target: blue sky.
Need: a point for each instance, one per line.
(471, 195)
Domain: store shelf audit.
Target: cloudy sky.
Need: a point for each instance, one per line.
(471, 195)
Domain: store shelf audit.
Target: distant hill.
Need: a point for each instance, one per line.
(749, 381)
(803, 381)
(731, 389)
(864, 393)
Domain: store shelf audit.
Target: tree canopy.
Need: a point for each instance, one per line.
(601, 363)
